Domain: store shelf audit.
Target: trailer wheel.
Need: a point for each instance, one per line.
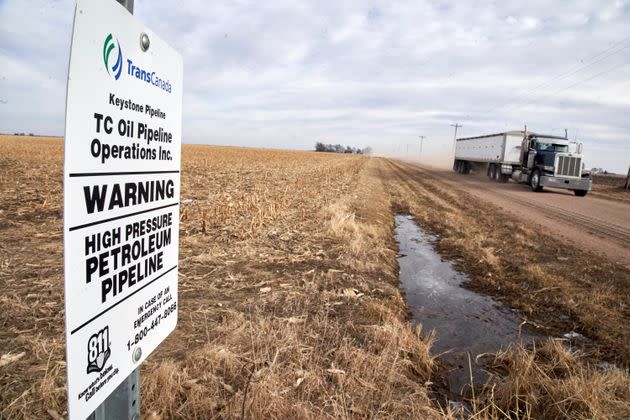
(492, 172)
(580, 193)
(534, 181)
(498, 176)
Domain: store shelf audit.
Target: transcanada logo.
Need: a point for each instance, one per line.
(115, 69)
(108, 47)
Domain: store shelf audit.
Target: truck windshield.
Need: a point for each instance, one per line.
(551, 147)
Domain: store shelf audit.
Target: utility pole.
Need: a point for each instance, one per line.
(456, 125)
(421, 140)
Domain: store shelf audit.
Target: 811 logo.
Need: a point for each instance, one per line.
(98, 348)
(108, 47)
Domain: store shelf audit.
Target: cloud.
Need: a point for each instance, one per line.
(286, 74)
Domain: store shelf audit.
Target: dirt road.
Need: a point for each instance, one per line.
(591, 223)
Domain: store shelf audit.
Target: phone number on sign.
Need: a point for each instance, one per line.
(140, 335)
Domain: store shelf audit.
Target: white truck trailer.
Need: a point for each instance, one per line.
(536, 159)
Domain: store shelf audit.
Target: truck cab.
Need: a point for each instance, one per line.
(548, 161)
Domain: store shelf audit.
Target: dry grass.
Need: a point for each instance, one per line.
(31, 276)
(552, 381)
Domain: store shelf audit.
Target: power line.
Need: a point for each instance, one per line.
(574, 84)
(571, 72)
(567, 73)
(591, 78)
(580, 69)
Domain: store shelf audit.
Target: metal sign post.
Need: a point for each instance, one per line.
(123, 403)
(127, 4)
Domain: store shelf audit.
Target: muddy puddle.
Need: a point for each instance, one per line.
(465, 322)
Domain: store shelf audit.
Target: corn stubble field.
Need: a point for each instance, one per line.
(611, 187)
(289, 297)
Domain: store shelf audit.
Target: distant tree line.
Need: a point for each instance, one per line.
(599, 171)
(338, 148)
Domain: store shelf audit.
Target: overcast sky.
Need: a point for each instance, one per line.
(288, 73)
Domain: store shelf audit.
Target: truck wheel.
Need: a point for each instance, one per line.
(580, 193)
(534, 181)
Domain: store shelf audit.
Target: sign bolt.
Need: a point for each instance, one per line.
(144, 42)
(136, 355)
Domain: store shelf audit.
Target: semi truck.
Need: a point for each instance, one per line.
(539, 160)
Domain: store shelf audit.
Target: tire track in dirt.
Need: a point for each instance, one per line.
(599, 226)
(412, 181)
(407, 181)
(595, 226)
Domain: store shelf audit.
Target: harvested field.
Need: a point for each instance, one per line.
(610, 187)
(609, 179)
(289, 298)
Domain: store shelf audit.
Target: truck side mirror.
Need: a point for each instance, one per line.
(579, 148)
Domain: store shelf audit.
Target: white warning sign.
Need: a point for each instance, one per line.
(121, 199)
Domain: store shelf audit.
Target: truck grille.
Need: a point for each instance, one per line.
(569, 166)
